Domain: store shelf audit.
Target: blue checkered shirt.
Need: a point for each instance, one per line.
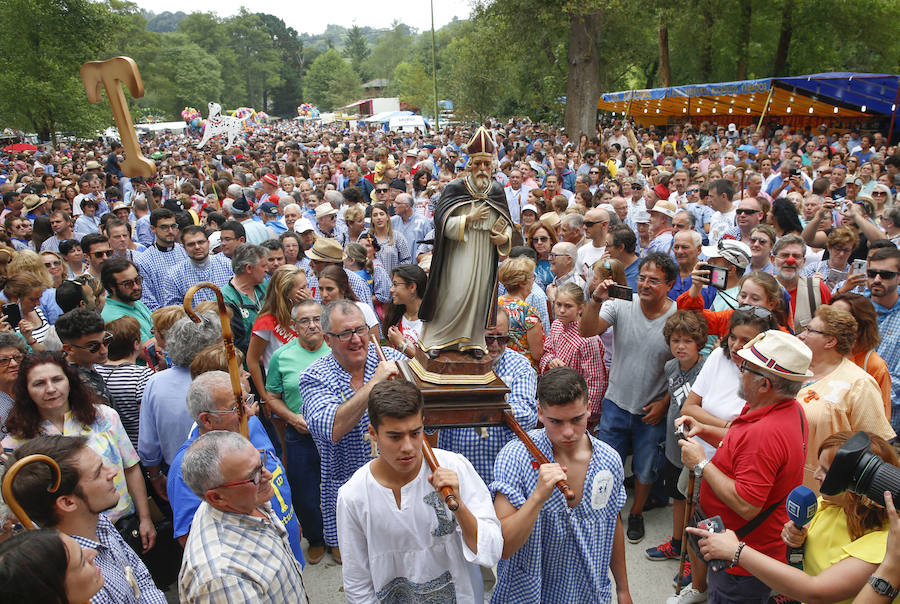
(143, 234)
(395, 254)
(381, 282)
(323, 386)
(567, 556)
(339, 233)
(414, 230)
(889, 350)
(359, 287)
(113, 555)
(217, 269)
(518, 374)
(155, 267)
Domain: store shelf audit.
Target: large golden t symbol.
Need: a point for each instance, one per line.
(111, 74)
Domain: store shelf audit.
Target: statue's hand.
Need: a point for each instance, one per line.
(498, 239)
(477, 213)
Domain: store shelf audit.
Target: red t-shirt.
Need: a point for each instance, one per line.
(764, 451)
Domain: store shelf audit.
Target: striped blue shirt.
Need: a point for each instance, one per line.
(567, 556)
(216, 269)
(323, 387)
(481, 445)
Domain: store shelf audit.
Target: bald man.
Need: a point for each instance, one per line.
(596, 227)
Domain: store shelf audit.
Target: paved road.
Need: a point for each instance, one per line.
(650, 582)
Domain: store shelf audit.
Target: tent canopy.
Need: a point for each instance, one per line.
(407, 122)
(824, 95)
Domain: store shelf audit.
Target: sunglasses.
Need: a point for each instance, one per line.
(590, 223)
(692, 191)
(129, 283)
(94, 347)
(53, 263)
(885, 275)
(496, 339)
(761, 240)
(541, 239)
(745, 211)
(103, 254)
(381, 190)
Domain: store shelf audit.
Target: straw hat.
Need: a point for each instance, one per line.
(779, 353)
(326, 250)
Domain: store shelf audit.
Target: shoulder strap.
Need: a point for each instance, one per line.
(811, 291)
(866, 362)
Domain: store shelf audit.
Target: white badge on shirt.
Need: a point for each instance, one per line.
(601, 489)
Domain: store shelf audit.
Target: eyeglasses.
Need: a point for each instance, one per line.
(746, 368)
(818, 331)
(762, 240)
(595, 171)
(347, 334)
(885, 275)
(247, 400)
(102, 254)
(53, 263)
(129, 283)
(496, 339)
(650, 280)
(167, 227)
(5, 361)
(307, 321)
(590, 223)
(94, 347)
(255, 477)
(740, 211)
(692, 191)
(552, 255)
(541, 239)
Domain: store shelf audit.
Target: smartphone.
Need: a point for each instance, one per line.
(621, 292)
(714, 525)
(13, 315)
(857, 267)
(718, 276)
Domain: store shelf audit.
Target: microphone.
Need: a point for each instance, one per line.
(801, 506)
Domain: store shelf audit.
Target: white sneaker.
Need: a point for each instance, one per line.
(689, 595)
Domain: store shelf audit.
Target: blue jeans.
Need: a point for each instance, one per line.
(735, 589)
(627, 433)
(303, 473)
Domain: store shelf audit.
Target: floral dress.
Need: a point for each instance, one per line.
(522, 317)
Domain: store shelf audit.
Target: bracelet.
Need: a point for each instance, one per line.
(737, 554)
(154, 477)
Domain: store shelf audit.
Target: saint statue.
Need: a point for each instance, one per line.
(472, 227)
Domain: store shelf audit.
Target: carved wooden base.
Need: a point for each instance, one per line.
(453, 367)
(459, 405)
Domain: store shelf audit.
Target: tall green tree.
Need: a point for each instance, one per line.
(289, 94)
(392, 47)
(356, 48)
(330, 82)
(42, 46)
(412, 86)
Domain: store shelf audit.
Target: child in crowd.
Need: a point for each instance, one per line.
(685, 333)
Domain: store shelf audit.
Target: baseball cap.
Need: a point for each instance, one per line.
(734, 251)
(269, 208)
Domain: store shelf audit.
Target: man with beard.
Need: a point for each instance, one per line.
(472, 222)
(158, 260)
(121, 280)
(883, 275)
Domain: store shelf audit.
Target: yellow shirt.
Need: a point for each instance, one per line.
(828, 542)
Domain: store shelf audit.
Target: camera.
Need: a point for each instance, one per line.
(855, 468)
(681, 432)
(795, 172)
(620, 291)
(718, 276)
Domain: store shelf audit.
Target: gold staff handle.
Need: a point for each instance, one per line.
(10, 475)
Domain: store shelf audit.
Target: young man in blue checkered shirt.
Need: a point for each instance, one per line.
(883, 272)
(554, 550)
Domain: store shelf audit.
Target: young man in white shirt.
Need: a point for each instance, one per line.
(399, 540)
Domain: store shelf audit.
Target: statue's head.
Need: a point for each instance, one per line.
(481, 156)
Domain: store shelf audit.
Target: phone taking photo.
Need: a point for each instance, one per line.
(858, 267)
(13, 315)
(620, 291)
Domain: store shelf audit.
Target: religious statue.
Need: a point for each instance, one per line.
(472, 227)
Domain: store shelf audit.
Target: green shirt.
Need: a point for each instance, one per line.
(247, 307)
(285, 367)
(116, 309)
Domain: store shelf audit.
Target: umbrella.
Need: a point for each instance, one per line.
(20, 148)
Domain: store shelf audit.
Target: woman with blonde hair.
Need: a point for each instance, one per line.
(867, 340)
(355, 218)
(526, 333)
(24, 290)
(32, 262)
(272, 328)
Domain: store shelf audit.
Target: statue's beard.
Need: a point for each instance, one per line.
(481, 180)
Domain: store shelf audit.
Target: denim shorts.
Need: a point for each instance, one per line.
(627, 433)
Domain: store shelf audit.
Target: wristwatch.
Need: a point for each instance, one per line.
(698, 469)
(882, 587)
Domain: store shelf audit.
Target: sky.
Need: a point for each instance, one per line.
(314, 16)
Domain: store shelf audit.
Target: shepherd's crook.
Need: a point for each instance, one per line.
(229, 346)
(111, 74)
(10, 475)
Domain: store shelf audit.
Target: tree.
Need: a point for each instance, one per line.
(784, 39)
(293, 65)
(331, 82)
(42, 46)
(413, 86)
(356, 48)
(393, 47)
(665, 70)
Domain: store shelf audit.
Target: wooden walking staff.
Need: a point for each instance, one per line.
(111, 74)
(447, 492)
(688, 512)
(10, 475)
(510, 420)
(228, 337)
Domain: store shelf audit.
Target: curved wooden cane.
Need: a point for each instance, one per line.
(10, 475)
(228, 338)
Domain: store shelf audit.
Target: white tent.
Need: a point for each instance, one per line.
(407, 123)
(385, 116)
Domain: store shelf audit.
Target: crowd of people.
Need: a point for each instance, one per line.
(701, 299)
